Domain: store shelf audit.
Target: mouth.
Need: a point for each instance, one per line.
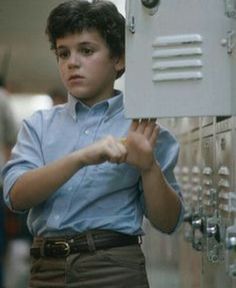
(75, 77)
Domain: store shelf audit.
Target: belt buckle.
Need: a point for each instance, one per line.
(66, 248)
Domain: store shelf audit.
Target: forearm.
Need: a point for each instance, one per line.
(35, 186)
(162, 202)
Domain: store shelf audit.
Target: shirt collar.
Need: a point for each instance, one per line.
(115, 104)
(112, 105)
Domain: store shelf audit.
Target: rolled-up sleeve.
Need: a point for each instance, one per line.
(167, 151)
(26, 155)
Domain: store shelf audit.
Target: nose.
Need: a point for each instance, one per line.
(74, 60)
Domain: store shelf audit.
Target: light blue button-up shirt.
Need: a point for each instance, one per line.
(105, 196)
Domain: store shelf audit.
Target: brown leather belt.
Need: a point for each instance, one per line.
(85, 242)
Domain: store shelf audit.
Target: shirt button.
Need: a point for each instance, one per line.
(86, 132)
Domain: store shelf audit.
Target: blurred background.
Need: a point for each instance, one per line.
(25, 57)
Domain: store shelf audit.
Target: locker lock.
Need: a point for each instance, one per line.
(197, 222)
(230, 243)
(197, 225)
(150, 4)
(213, 230)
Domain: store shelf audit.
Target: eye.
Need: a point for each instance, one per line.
(86, 51)
(63, 54)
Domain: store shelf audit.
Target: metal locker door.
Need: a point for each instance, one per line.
(196, 190)
(208, 168)
(207, 277)
(231, 45)
(184, 167)
(226, 194)
(189, 259)
(177, 59)
(161, 257)
(184, 174)
(214, 265)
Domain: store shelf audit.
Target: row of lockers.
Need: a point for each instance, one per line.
(206, 173)
(203, 252)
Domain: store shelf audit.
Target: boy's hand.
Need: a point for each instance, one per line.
(137, 149)
(140, 143)
(108, 149)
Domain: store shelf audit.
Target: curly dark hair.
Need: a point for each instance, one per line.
(78, 15)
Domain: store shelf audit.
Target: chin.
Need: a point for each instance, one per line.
(78, 94)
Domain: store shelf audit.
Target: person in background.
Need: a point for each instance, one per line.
(7, 140)
(86, 174)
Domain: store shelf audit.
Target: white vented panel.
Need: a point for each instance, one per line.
(177, 57)
(177, 60)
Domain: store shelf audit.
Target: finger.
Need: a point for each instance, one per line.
(123, 151)
(154, 120)
(134, 125)
(149, 129)
(117, 152)
(110, 149)
(123, 140)
(154, 136)
(142, 125)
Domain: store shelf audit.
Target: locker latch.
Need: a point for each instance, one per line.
(214, 245)
(230, 41)
(197, 230)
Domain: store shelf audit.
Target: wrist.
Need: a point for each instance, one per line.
(80, 159)
(152, 167)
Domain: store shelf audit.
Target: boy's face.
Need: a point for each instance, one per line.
(86, 67)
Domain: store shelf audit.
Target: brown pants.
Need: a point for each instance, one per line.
(120, 267)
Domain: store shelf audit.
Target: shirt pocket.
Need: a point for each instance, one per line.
(111, 168)
(115, 184)
(116, 171)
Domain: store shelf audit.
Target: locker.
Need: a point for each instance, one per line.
(182, 67)
(183, 71)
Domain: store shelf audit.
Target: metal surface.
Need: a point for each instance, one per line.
(207, 239)
(169, 69)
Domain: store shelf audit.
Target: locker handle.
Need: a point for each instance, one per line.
(224, 171)
(213, 230)
(207, 171)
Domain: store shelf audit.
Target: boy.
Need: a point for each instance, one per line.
(86, 174)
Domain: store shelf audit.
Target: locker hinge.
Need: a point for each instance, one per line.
(130, 16)
(131, 24)
(230, 8)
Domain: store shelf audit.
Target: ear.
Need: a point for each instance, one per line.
(120, 63)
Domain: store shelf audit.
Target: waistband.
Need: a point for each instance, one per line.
(85, 242)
